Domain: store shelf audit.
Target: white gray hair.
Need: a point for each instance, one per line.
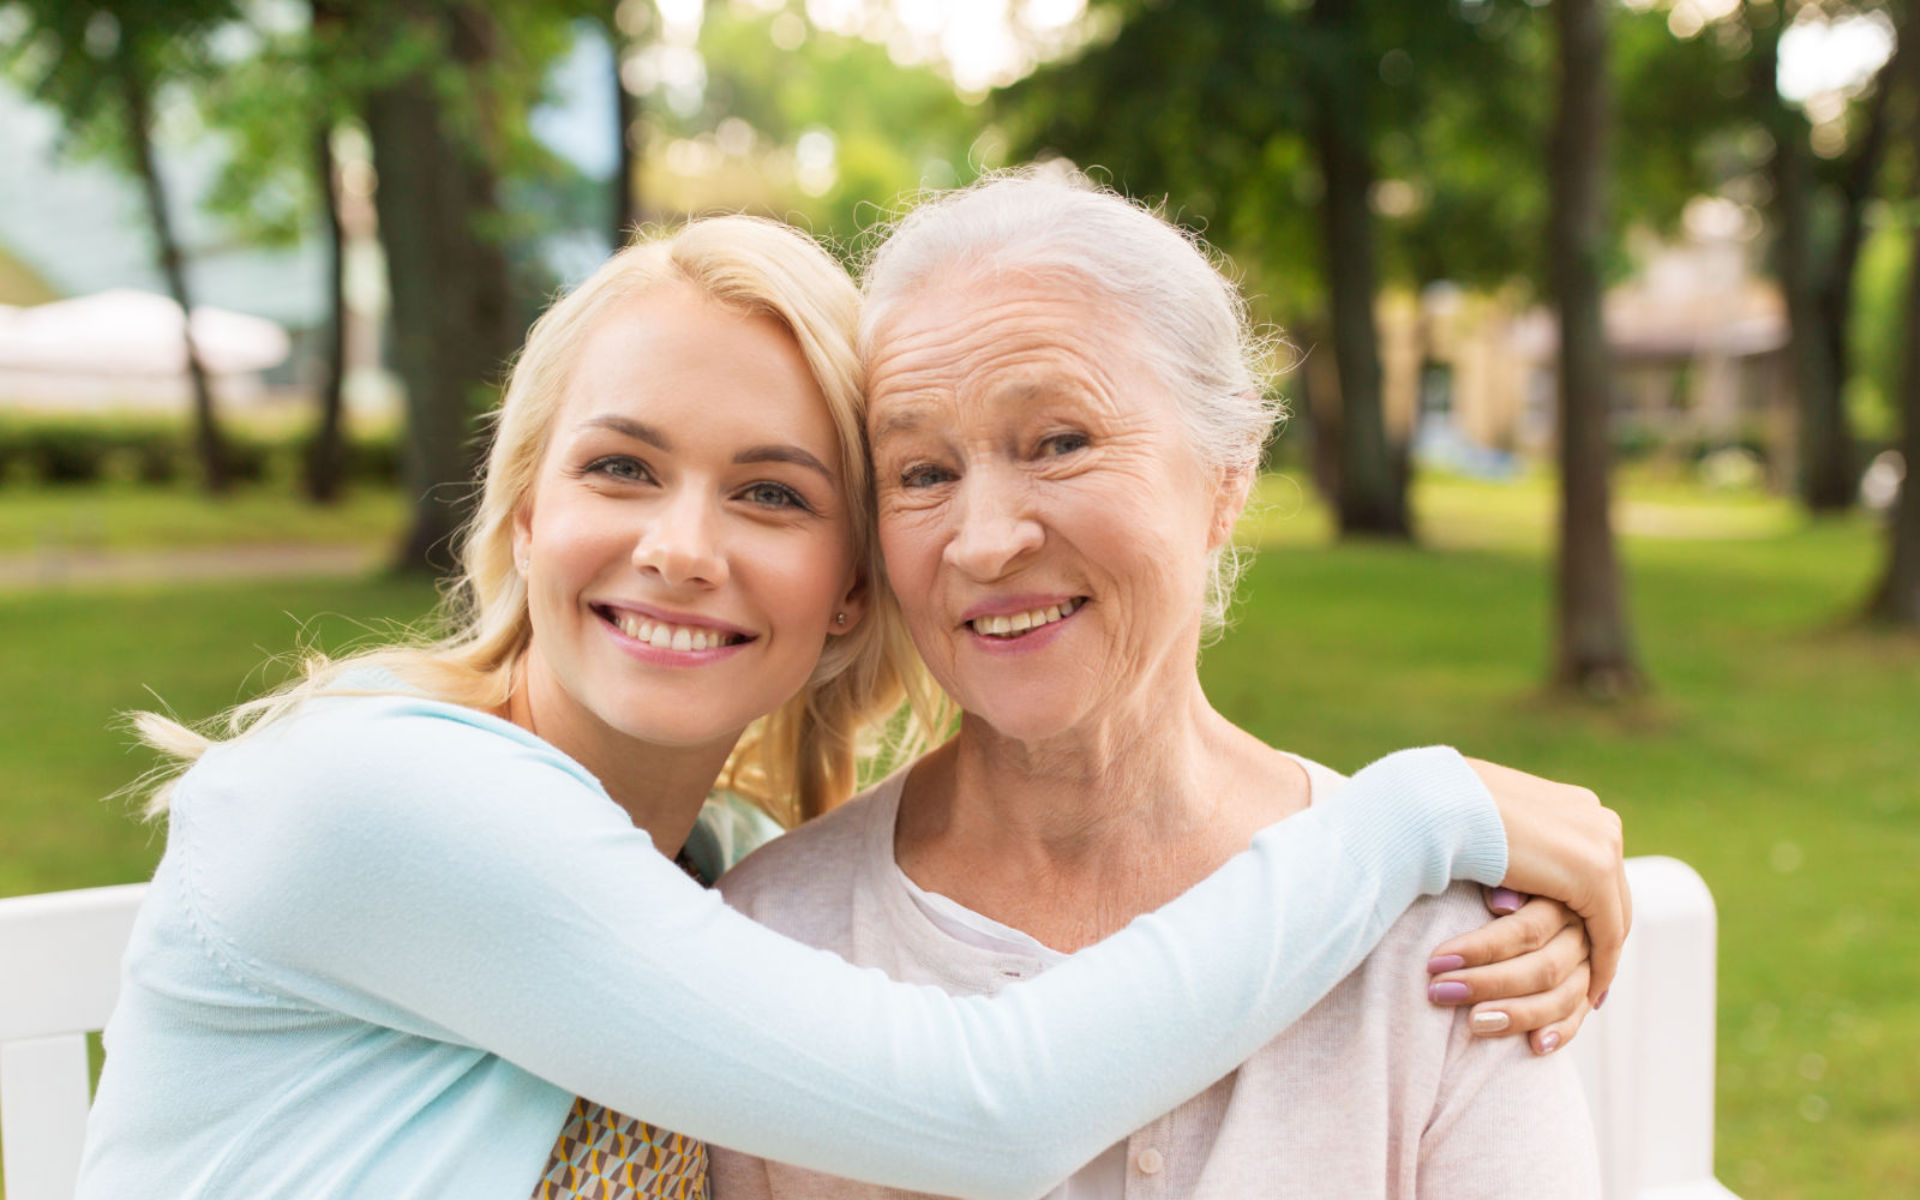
(1196, 332)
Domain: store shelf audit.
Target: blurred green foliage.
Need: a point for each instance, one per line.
(893, 128)
(1209, 104)
(61, 449)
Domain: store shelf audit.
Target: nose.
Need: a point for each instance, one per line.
(994, 527)
(681, 543)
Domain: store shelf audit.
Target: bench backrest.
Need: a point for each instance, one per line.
(59, 976)
(1646, 1059)
(1647, 1056)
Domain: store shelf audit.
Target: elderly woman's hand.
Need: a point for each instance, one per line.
(1524, 972)
(1564, 844)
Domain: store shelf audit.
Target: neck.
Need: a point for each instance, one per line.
(1085, 787)
(660, 787)
(1071, 838)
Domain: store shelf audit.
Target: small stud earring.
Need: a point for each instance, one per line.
(840, 619)
(526, 564)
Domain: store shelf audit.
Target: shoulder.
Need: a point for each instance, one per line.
(1323, 780)
(1431, 920)
(348, 785)
(343, 749)
(821, 862)
(1390, 984)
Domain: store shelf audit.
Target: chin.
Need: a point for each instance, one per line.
(1027, 718)
(680, 729)
(668, 717)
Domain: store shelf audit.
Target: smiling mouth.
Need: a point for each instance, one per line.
(663, 635)
(1012, 625)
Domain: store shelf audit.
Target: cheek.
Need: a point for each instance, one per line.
(910, 546)
(805, 576)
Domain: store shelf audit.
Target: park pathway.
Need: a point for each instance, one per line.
(52, 570)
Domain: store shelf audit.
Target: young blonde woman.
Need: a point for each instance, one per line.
(414, 908)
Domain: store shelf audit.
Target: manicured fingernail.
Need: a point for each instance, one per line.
(1549, 1042)
(1450, 992)
(1440, 964)
(1488, 1022)
(1602, 999)
(1505, 901)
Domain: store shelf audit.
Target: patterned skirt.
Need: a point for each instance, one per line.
(602, 1155)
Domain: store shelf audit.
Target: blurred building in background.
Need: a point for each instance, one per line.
(84, 319)
(1698, 336)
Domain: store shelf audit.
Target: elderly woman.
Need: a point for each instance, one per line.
(1065, 415)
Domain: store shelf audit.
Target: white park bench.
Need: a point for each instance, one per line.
(1647, 1060)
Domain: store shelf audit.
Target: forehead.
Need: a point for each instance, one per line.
(672, 353)
(999, 340)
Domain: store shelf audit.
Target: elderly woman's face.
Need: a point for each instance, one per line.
(1044, 518)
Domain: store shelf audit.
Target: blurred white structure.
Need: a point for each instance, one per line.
(126, 349)
(1647, 1059)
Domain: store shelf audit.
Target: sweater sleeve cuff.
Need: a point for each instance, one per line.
(1426, 807)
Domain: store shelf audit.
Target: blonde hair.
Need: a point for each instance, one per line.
(797, 761)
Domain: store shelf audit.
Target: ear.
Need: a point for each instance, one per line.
(522, 534)
(1229, 501)
(853, 602)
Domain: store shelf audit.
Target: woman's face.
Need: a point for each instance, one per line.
(1044, 518)
(688, 542)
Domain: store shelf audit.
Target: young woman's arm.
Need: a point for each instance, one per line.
(423, 867)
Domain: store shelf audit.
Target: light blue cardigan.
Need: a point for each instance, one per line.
(392, 938)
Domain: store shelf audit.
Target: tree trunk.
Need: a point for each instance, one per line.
(326, 457)
(210, 447)
(1825, 445)
(1595, 651)
(1856, 192)
(1897, 599)
(437, 209)
(627, 134)
(1372, 500)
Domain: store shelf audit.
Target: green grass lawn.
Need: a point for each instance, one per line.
(1779, 752)
(125, 516)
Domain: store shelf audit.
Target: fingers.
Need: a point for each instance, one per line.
(1530, 973)
(1607, 930)
(1551, 1017)
(1562, 842)
(1525, 930)
(1502, 901)
(1556, 1034)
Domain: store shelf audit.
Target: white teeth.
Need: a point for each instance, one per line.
(670, 637)
(1017, 623)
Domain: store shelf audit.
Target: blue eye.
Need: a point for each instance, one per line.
(1064, 443)
(923, 475)
(774, 495)
(619, 466)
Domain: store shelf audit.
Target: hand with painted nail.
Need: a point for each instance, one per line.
(1526, 971)
(1564, 844)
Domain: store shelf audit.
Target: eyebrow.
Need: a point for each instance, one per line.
(638, 430)
(770, 452)
(901, 419)
(784, 454)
